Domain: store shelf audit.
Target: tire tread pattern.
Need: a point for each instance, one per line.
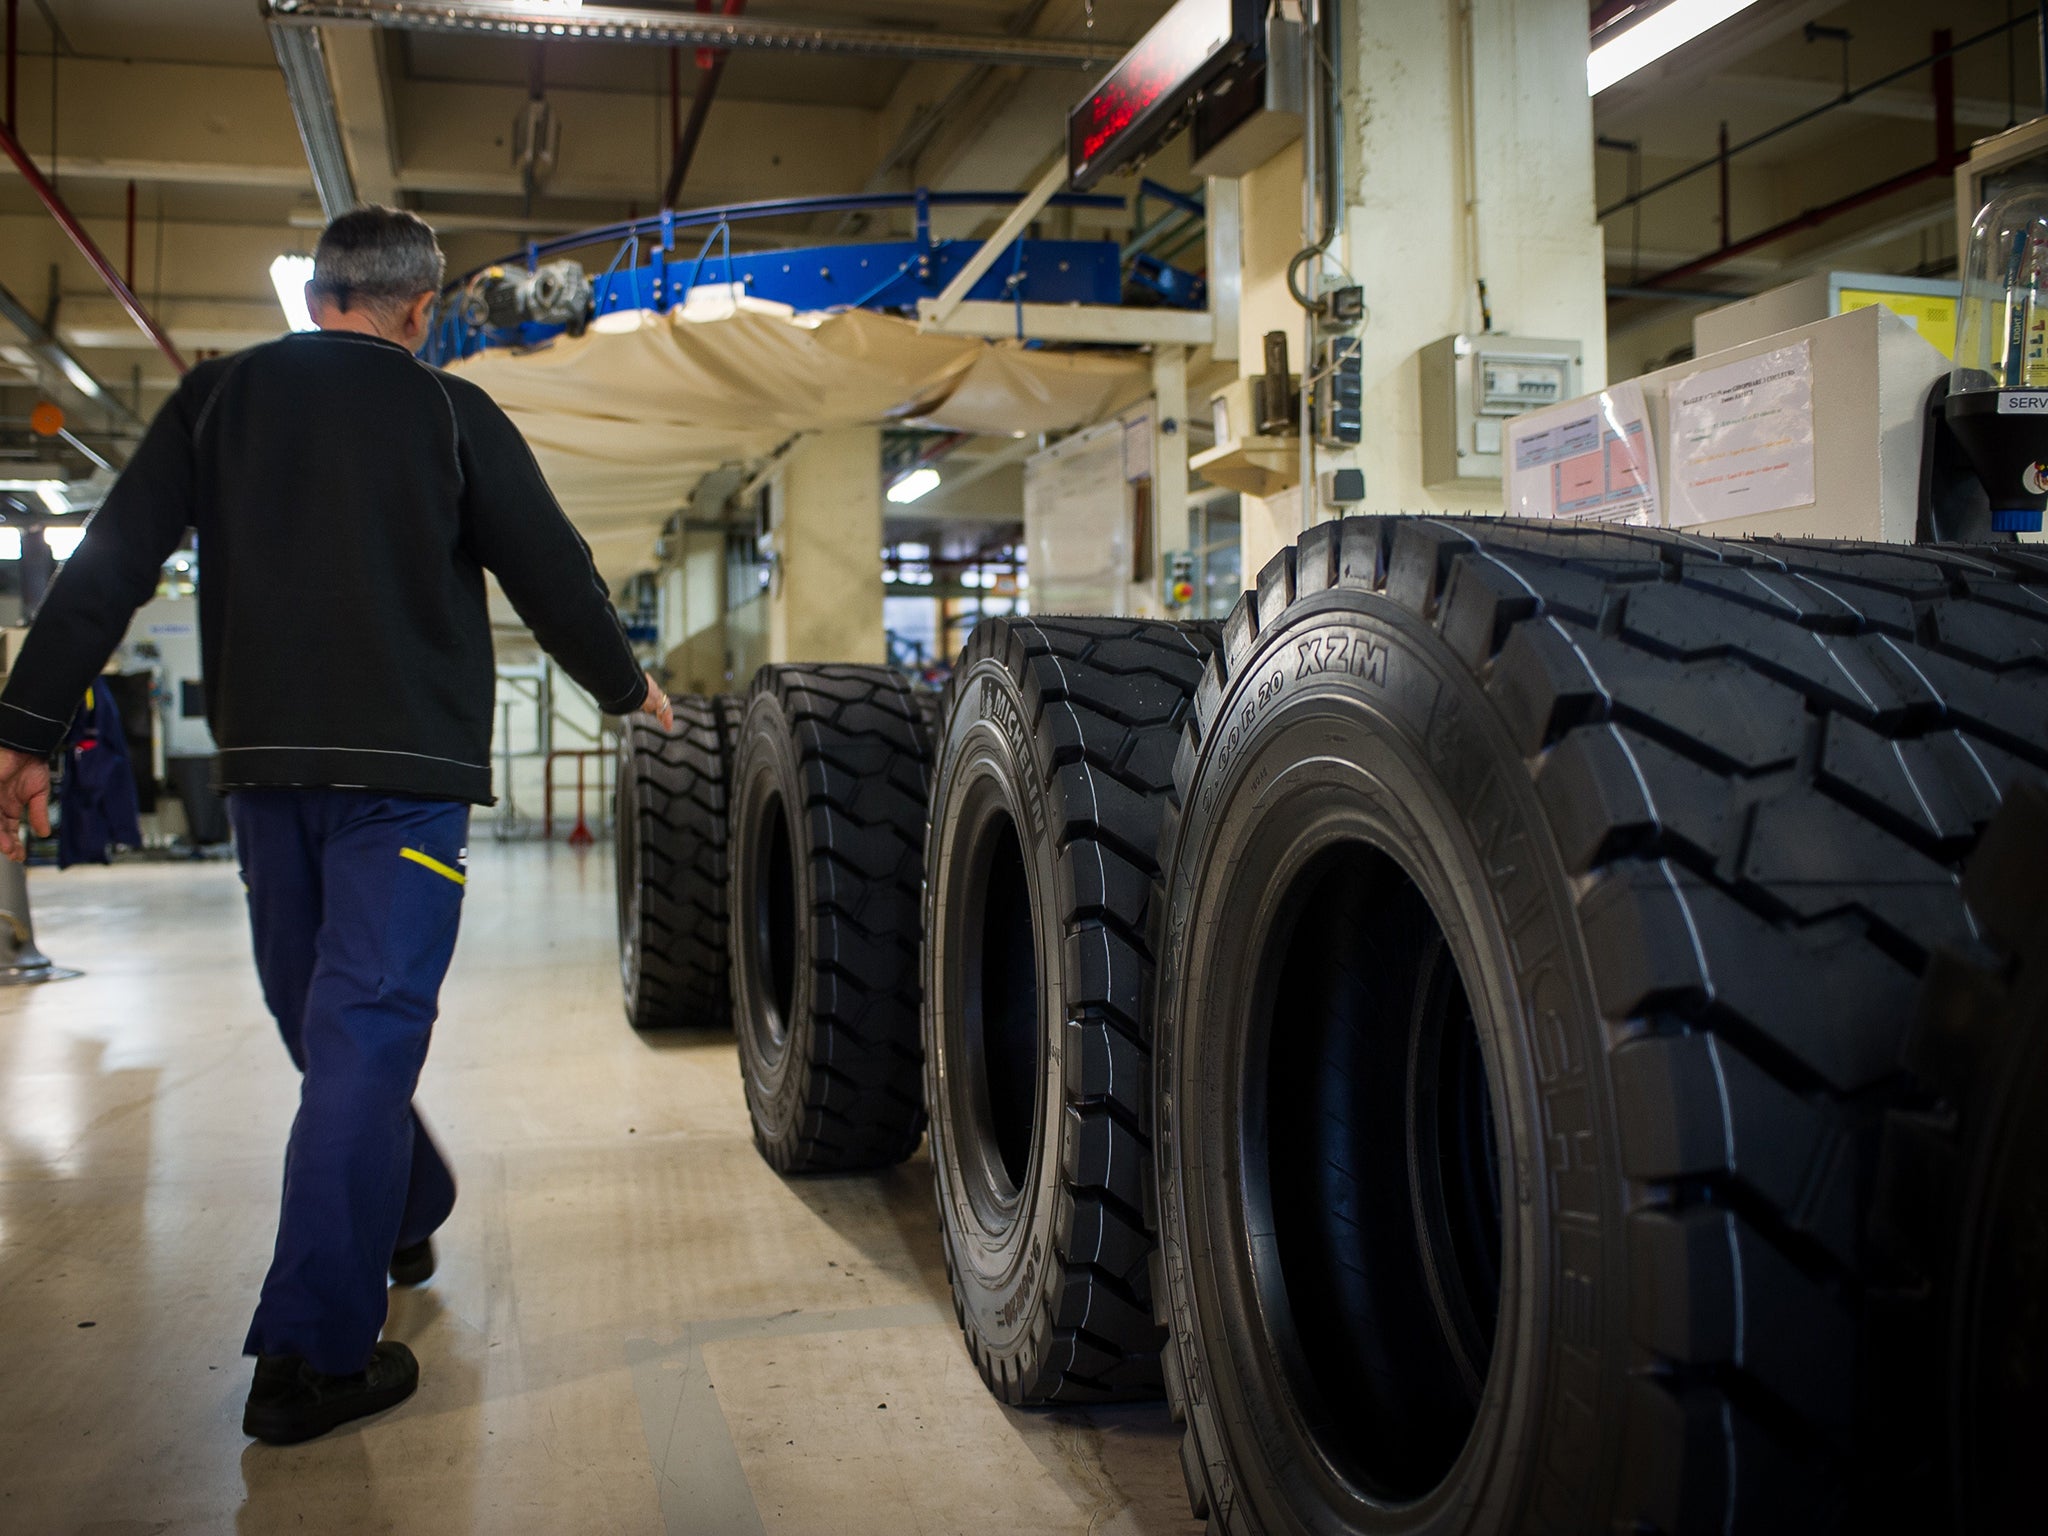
(862, 743)
(671, 797)
(1764, 762)
(1105, 701)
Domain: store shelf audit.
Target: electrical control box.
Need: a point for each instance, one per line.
(1338, 391)
(1472, 386)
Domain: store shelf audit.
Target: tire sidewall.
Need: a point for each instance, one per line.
(1352, 703)
(765, 768)
(1004, 1271)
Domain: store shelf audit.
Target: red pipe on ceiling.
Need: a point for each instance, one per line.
(68, 222)
(1812, 218)
(1944, 163)
(1945, 100)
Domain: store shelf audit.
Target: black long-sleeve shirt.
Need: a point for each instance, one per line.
(348, 500)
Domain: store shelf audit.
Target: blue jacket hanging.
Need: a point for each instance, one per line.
(96, 804)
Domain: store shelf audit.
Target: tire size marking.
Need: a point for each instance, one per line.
(1256, 702)
(1340, 651)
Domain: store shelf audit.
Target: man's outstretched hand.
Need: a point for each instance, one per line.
(655, 704)
(25, 791)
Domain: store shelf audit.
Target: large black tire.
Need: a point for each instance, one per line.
(668, 826)
(931, 710)
(1048, 793)
(1544, 924)
(1965, 1187)
(828, 814)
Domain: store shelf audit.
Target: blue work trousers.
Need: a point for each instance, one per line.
(354, 897)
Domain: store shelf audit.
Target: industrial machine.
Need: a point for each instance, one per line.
(528, 299)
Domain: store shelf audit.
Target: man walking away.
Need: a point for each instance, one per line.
(348, 500)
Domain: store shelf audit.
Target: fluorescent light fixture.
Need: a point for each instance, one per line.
(81, 381)
(64, 542)
(49, 492)
(913, 485)
(10, 543)
(289, 276)
(1670, 26)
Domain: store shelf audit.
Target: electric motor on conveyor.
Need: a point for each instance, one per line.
(530, 298)
(1998, 395)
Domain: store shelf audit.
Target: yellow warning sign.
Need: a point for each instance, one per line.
(1933, 315)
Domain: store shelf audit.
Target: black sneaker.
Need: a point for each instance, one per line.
(289, 1401)
(414, 1265)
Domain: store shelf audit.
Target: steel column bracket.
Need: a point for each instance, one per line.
(1053, 182)
(22, 964)
(304, 66)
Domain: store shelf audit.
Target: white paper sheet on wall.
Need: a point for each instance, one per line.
(1741, 438)
(1597, 464)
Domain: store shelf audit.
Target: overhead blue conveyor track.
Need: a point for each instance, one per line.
(532, 296)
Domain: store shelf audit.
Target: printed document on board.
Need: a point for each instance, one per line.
(1592, 460)
(1741, 438)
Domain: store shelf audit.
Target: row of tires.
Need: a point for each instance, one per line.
(1498, 1032)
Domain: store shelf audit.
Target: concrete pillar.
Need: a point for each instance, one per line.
(1269, 213)
(825, 599)
(1467, 149)
(693, 611)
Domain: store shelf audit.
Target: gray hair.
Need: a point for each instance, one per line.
(377, 257)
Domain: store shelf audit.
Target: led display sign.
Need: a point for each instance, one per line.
(1130, 113)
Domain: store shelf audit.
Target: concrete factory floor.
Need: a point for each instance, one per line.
(636, 1327)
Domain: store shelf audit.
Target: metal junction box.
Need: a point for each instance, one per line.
(1472, 385)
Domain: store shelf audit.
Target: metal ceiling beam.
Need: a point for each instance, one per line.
(304, 65)
(62, 372)
(363, 110)
(623, 24)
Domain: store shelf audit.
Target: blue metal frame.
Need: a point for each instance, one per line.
(882, 275)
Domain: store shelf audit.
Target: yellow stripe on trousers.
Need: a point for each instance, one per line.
(429, 862)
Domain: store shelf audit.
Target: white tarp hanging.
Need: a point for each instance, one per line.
(626, 420)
